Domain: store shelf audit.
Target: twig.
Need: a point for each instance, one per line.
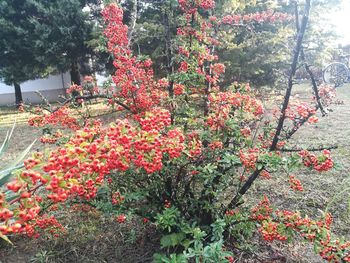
(307, 67)
(312, 149)
(298, 125)
(29, 191)
(90, 97)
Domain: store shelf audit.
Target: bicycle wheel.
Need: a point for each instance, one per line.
(336, 74)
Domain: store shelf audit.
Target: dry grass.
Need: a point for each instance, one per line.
(91, 238)
(319, 188)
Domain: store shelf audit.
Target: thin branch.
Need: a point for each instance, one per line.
(90, 97)
(311, 149)
(298, 125)
(29, 191)
(300, 37)
(45, 100)
(307, 67)
(280, 125)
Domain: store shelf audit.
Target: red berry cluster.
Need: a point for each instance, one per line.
(295, 184)
(262, 211)
(230, 213)
(74, 88)
(206, 4)
(51, 138)
(134, 79)
(327, 94)
(223, 105)
(179, 89)
(167, 203)
(270, 231)
(318, 232)
(218, 68)
(49, 224)
(61, 117)
(215, 145)
(174, 143)
(265, 174)
(117, 198)
(155, 119)
(320, 163)
(194, 144)
(249, 157)
(275, 224)
(298, 111)
(121, 218)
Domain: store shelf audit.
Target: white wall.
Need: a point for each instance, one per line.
(51, 87)
(100, 79)
(61, 81)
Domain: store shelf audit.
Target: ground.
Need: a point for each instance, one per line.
(94, 237)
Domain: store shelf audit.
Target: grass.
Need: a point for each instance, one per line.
(319, 188)
(91, 237)
(95, 238)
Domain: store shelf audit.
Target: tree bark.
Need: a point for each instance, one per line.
(167, 15)
(75, 74)
(18, 94)
(133, 21)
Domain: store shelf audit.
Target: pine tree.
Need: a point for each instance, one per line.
(39, 37)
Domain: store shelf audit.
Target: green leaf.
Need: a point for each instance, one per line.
(6, 174)
(174, 258)
(10, 196)
(103, 191)
(21, 157)
(260, 166)
(8, 136)
(172, 240)
(5, 238)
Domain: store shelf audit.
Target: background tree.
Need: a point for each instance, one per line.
(42, 37)
(252, 51)
(64, 31)
(18, 61)
(320, 38)
(258, 52)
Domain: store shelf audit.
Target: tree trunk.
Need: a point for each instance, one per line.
(75, 74)
(18, 94)
(133, 18)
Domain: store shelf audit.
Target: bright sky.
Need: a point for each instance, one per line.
(341, 20)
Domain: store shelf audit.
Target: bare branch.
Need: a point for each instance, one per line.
(311, 149)
(280, 125)
(133, 21)
(307, 67)
(90, 97)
